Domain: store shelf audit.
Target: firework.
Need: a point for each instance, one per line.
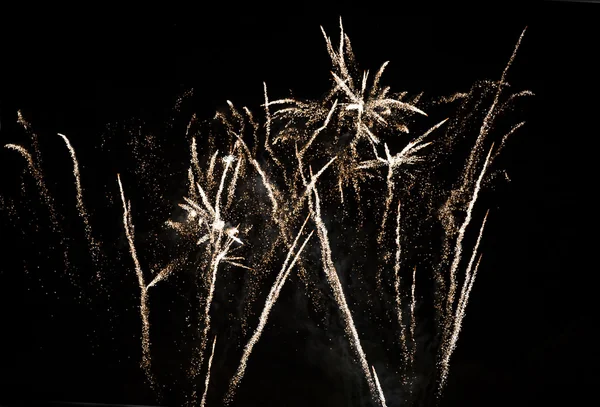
(250, 191)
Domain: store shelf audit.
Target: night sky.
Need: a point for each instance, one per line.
(529, 335)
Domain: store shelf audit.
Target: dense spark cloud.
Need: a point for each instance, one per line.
(251, 195)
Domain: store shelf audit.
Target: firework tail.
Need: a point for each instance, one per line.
(446, 350)
(334, 282)
(93, 245)
(207, 380)
(271, 299)
(144, 309)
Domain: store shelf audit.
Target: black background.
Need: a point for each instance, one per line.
(529, 336)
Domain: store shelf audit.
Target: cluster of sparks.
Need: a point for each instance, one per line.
(346, 135)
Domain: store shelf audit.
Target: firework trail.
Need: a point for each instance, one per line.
(236, 174)
(36, 172)
(457, 328)
(489, 117)
(446, 350)
(336, 285)
(462, 230)
(228, 160)
(144, 310)
(271, 299)
(207, 380)
(271, 191)
(468, 178)
(94, 246)
(506, 136)
(211, 167)
(476, 153)
(165, 272)
(195, 165)
(379, 390)
(268, 133)
(412, 317)
(334, 282)
(212, 278)
(462, 304)
(397, 282)
(39, 180)
(320, 129)
(463, 299)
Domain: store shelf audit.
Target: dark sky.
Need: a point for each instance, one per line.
(529, 333)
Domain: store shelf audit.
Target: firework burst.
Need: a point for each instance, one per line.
(251, 196)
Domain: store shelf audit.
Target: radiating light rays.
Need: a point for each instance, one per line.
(250, 185)
(372, 107)
(365, 110)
